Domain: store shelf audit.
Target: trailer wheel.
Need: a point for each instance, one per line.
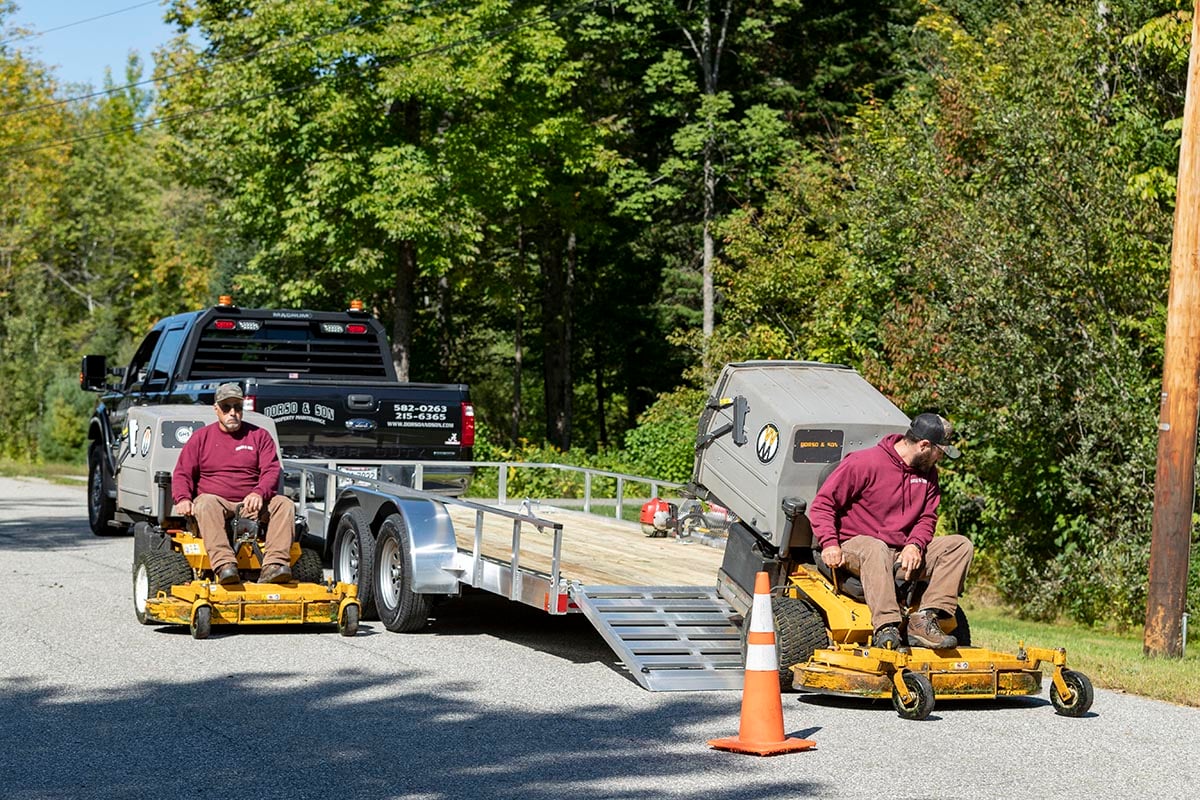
(400, 609)
(1082, 694)
(799, 630)
(156, 571)
(348, 624)
(308, 567)
(101, 507)
(354, 555)
(920, 701)
(202, 622)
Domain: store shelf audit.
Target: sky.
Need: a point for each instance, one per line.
(79, 53)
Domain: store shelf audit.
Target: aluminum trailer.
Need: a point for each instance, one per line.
(418, 547)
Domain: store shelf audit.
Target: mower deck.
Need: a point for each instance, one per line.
(255, 603)
(957, 673)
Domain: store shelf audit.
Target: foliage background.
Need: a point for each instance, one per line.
(969, 201)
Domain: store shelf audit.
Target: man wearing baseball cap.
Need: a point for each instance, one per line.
(875, 516)
(231, 462)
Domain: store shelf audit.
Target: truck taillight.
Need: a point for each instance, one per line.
(248, 403)
(356, 327)
(224, 324)
(468, 425)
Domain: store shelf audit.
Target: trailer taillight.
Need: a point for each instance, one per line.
(248, 403)
(468, 425)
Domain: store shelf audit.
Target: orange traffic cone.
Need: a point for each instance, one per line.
(761, 730)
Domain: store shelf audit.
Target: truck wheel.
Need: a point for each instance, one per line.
(354, 555)
(101, 507)
(308, 567)
(400, 609)
(799, 630)
(156, 571)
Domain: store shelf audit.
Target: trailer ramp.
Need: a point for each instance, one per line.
(671, 638)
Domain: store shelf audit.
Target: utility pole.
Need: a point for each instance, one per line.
(1175, 477)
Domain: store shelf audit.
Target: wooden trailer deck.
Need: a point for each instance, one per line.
(596, 550)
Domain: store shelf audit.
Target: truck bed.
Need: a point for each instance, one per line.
(596, 550)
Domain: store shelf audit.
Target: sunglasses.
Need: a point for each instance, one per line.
(227, 407)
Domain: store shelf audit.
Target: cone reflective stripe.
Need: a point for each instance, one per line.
(761, 729)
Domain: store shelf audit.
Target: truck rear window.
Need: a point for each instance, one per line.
(278, 348)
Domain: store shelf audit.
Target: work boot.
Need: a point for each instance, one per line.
(275, 573)
(924, 631)
(227, 574)
(887, 637)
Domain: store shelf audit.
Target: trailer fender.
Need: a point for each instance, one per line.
(430, 535)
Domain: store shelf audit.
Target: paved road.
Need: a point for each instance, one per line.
(494, 701)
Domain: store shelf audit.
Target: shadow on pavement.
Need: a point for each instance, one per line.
(357, 736)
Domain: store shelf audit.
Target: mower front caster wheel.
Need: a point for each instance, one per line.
(348, 624)
(1081, 694)
(920, 697)
(202, 622)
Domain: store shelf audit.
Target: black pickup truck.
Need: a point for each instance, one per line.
(326, 378)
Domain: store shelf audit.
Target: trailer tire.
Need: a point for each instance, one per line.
(799, 630)
(101, 507)
(354, 557)
(308, 567)
(156, 571)
(400, 609)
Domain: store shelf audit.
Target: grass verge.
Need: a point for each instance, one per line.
(1112, 660)
(67, 474)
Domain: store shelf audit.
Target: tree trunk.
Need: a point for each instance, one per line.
(518, 333)
(403, 303)
(558, 275)
(405, 120)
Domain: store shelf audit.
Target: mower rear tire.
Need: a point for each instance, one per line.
(202, 622)
(962, 628)
(400, 609)
(308, 567)
(1082, 694)
(920, 701)
(354, 556)
(156, 571)
(799, 630)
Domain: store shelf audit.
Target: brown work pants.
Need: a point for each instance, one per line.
(945, 566)
(212, 512)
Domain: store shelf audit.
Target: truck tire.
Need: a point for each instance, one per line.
(157, 571)
(400, 609)
(799, 630)
(354, 557)
(101, 507)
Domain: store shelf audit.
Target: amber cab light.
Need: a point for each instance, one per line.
(356, 305)
(225, 300)
(468, 425)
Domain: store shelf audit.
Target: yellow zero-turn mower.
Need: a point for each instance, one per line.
(825, 634)
(173, 583)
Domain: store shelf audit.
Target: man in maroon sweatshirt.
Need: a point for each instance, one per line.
(876, 514)
(226, 463)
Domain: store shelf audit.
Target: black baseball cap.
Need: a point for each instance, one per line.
(937, 429)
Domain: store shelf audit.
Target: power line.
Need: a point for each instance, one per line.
(224, 61)
(137, 126)
(77, 22)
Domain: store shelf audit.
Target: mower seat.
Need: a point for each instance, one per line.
(849, 584)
